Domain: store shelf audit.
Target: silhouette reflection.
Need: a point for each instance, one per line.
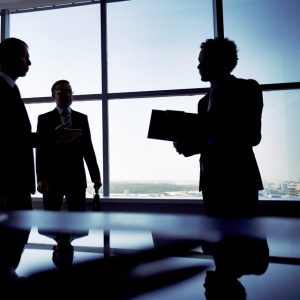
(235, 256)
(13, 242)
(115, 277)
(63, 251)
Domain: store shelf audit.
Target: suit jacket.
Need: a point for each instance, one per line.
(17, 142)
(233, 127)
(62, 165)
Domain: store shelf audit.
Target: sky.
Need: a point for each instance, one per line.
(154, 45)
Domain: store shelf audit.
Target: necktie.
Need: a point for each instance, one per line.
(66, 118)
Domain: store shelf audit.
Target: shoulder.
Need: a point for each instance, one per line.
(48, 114)
(78, 114)
(247, 82)
(247, 86)
(251, 91)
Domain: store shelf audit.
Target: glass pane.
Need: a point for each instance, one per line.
(138, 164)
(268, 38)
(154, 44)
(63, 44)
(93, 110)
(146, 167)
(278, 153)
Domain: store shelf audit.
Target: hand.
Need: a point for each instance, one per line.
(188, 148)
(42, 186)
(66, 135)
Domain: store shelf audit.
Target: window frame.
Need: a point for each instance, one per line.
(105, 96)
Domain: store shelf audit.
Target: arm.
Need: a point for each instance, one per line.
(42, 157)
(194, 141)
(245, 126)
(89, 155)
(253, 118)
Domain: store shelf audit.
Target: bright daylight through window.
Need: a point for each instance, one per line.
(152, 50)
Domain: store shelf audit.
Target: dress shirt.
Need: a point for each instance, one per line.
(60, 110)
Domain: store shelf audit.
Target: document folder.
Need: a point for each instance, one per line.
(172, 125)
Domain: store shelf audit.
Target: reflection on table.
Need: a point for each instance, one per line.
(153, 256)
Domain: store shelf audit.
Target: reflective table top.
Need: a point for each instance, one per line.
(150, 255)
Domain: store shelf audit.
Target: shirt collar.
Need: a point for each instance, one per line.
(8, 79)
(60, 110)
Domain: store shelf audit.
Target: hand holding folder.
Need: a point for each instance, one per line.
(172, 125)
(183, 129)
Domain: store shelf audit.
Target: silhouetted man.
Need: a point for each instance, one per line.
(17, 180)
(17, 176)
(60, 167)
(230, 125)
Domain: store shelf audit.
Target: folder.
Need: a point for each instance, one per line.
(172, 125)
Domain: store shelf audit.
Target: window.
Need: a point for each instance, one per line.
(278, 152)
(152, 51)
(63, 44)
(268, 40)
(154, 45)
(267, 37)
(152, 164)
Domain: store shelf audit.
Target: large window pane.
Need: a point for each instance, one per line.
(154, 44)
(278, 153)
(63, 44)
(268, 37)
(136, 159)
(143, 163)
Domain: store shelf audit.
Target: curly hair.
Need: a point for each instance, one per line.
(223, 50)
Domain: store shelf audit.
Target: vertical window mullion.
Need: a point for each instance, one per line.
(103, 15)
(5, 21)
(218, 18)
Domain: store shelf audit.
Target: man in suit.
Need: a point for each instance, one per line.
(60, 167)
(17, 180)
(230, 125)
(17, 176)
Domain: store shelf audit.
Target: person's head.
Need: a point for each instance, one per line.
(219, 285)
(62, 93)
(217, 58)
(63, 253)
(14, 57)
